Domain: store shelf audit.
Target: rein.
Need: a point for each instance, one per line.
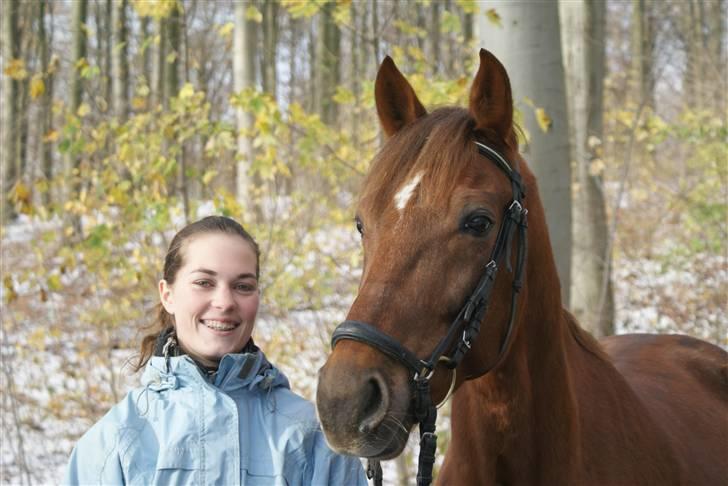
(465, 327)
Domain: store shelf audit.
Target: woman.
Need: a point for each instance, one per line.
(212, 409)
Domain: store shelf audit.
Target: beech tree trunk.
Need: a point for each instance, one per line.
(8, 147)
(243, 77)
(529, 46)
(80, 8)
(120, 60)
(583, 25)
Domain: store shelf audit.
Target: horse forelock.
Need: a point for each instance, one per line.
(426, 160)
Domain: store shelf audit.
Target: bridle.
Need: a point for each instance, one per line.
(466, 325)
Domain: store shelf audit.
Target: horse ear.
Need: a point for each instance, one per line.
(491, 101)
(397, 103)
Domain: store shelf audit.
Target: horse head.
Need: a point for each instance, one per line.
(431, 212)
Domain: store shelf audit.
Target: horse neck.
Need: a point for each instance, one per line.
(535, 377)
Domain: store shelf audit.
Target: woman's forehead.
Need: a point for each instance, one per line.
(219, 252)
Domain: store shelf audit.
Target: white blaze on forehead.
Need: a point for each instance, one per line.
(405, 192)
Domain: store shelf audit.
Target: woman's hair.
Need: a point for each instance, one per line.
(174, 260)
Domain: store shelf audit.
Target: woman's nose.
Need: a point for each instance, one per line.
(223, 298)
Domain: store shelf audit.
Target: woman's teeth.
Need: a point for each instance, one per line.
(219, 325)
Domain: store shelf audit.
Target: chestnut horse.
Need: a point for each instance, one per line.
(541, 404)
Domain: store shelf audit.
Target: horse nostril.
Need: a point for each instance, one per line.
(376, 403)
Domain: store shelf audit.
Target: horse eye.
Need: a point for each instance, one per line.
(359, 226)
(477, 225)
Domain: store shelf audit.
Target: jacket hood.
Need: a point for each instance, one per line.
(239, 370)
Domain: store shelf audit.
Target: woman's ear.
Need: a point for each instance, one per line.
(165, 296)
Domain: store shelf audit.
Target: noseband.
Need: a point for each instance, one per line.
(465, 327)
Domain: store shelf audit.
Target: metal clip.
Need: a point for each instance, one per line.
(466, 341)
(427, 374)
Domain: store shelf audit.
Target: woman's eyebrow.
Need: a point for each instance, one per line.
(213, 273)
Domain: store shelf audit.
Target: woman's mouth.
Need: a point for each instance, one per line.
(219, 325)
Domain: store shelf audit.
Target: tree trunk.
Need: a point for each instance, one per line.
(159, 65)
(146, 56)
(120, 60)
(643, 45)
(46, 112)
(78, 22)
(583, 26)
(375, 32)
(243, 77)
(8, 149)
(529, 46)
(355, 73)
(327, 67)
(172, 59)
(106, 44)
(715, 35)
(270, 41)
(435, 35)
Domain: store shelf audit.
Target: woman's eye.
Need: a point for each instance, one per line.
(359, 226)
(246, 288)
(477, 225)
(203, 283)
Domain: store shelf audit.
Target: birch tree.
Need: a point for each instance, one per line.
(583, 25)
(527, 41)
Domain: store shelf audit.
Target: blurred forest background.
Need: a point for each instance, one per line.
(124, 119)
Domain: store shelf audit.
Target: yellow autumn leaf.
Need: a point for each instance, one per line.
(493, 17)
(138, 103)
(20, 193)
(16, 69)
(50, 137)
(37, 86)
(226, 30)
(83, 110)
(252, 13)
(36, 339)
(186, 92)
(544, 121)
(157, 9)
(10, 293)
(596, 167)
(54, 282)
(82, 64)
(208, 176)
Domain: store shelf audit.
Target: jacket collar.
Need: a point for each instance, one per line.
(239, 370)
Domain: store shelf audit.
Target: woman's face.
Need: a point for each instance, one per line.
(214, 298)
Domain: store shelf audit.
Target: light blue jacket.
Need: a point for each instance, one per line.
(242, 426)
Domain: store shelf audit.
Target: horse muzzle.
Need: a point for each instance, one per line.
(363, 409)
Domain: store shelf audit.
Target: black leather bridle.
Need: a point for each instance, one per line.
(466, 325)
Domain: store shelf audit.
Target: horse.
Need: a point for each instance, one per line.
(536, 399)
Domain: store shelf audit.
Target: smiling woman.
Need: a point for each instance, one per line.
(212, 409)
